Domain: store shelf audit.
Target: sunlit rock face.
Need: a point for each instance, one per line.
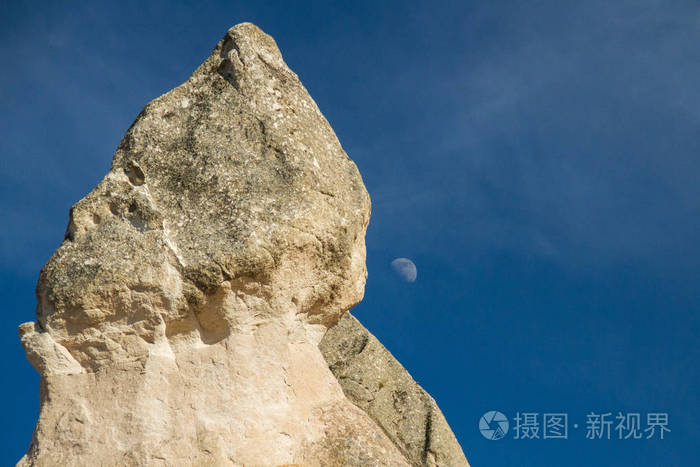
(374, 381)
(178, 323)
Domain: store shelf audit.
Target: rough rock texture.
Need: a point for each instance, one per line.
(178, 323)
(373, 380)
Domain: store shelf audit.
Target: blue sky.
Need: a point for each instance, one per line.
(539, 161)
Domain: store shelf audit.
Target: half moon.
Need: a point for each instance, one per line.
(405, 269)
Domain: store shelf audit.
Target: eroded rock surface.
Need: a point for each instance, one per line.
(179, 321)
(377, 383)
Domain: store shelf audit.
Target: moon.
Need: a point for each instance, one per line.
(405, 269)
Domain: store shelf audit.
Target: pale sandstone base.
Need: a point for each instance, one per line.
(262, 398)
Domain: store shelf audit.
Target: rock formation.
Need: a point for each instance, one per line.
(374, 381)
(179, 321)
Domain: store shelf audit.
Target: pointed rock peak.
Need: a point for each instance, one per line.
(179, 320)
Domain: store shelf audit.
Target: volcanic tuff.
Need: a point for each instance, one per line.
(179, 321)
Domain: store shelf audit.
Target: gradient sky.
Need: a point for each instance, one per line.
(538, 160)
